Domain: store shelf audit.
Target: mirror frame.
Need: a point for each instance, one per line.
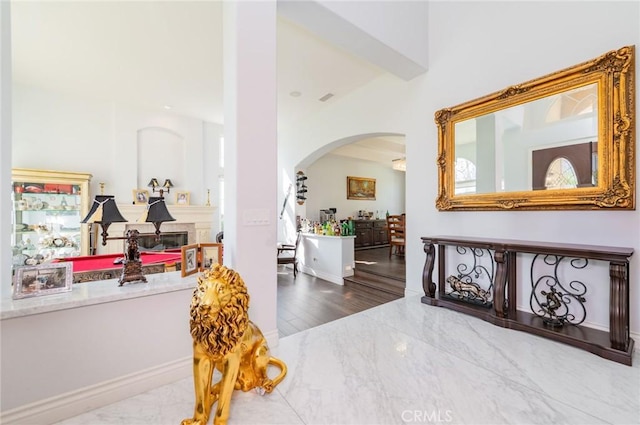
(614, 73)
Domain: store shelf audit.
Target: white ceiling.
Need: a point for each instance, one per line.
(158, 53)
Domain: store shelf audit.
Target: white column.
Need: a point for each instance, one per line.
(250, 114)
(5, 147)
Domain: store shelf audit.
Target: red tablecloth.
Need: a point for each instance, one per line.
(103, 262)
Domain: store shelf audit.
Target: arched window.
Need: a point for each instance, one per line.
(583, 100)
(561, 175)
(465, 176)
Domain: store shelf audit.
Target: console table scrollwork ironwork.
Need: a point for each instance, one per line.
(485, 283)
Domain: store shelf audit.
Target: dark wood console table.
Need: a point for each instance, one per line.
(558, 304)
(370, 234)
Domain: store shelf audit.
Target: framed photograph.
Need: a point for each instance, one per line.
(189, 259)
(210, 253)
(182, 198)
(140, 196)
(361, 188)
(44, 279)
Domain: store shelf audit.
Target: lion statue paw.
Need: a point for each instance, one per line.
(225, 339)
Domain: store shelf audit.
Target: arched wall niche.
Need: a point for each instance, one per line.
(161, 154)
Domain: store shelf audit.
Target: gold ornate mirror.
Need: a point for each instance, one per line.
(562, 141)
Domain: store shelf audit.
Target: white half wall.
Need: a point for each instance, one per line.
(59, 352)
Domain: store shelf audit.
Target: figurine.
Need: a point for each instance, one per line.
(469, 290)
(132, 245)
(224, 338)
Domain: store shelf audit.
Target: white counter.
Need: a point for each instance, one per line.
(327, 257)
(96, 292)
(67, 353)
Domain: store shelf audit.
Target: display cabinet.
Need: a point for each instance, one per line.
(47, 209)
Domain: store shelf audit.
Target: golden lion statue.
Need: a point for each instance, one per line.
(224, 338)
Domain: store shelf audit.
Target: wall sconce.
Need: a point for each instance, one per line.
(399, 164)
(301, 188)
(154, 185)
(104, 211)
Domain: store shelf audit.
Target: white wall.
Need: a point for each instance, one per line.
(54, 131)
(519, 51)
(5, 135)
(382, 20)
(327, 185)
(478, 48)
(390, 34)
(359, 115)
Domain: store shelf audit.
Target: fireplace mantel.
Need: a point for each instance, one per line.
(199, 217)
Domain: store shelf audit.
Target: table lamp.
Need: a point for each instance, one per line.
(104, 211)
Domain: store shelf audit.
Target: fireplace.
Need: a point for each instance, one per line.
(194, 220)
(168, 240)
(172, 236)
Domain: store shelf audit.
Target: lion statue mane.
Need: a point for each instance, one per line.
(225, 339)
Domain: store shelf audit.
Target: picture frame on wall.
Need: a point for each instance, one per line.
(210, 254)
(43, 279)
(361, 188)
(189, 258)
(140, 196)
(182, 198)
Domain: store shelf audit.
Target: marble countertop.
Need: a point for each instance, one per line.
(97, 292)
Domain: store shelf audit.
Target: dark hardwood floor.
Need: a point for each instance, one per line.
(306, 301)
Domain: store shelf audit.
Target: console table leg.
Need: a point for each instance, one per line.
(428, 284)
(619, 305)
(499, 300)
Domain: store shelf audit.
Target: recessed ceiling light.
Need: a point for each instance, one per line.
(295, 94)
(168, 106)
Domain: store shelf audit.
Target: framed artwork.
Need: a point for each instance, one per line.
(210, 253)
(189, 259)
(182, 198)
(140, 196)
(44, 279)
(361, 188)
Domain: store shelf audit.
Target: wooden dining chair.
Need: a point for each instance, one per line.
(287, 254)
(395, 233)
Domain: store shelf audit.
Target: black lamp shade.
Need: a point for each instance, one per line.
(167, 184)
(104, 210)
(157, 211)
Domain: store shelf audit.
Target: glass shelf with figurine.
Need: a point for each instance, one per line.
(47, 209)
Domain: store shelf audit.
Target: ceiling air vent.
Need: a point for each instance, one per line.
(326, 97)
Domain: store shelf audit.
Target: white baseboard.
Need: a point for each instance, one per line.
(636, 338)
(79, 401)
(338, 280)
(273, 338)
(410, 292)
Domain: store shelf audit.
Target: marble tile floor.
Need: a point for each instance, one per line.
(408, 363)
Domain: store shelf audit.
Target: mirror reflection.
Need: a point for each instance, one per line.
(565, 140)
(549, 143)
